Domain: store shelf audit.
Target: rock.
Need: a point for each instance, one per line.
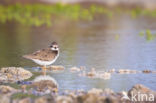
(75, 69)
(147, 71)
(7, 89)
(126, 71)
(25, 100)
(64, 99)
(104, 75)
(112, 99)
(107, 92)
(92, 73)
(4, 99)
(91, 98)
(55, 68)
(95, 91)
(45, 99)
(45, 84)
(139, 90)
(14, 74)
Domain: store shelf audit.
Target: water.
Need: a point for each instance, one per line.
(102, 43)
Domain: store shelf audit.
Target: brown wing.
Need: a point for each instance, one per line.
(44, 54)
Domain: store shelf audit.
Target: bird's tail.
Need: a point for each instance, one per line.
(26, 56)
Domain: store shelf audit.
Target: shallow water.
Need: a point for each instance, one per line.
(104, 43)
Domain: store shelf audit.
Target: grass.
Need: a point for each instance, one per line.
(41, 14)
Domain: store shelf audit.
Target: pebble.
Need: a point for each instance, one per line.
(75, 69)
(126, 71)
(92, 73)
(147, 71)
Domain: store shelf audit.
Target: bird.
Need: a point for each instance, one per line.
(45, 57)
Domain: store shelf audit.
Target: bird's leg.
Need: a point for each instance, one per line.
(44, 70)
(55, 90)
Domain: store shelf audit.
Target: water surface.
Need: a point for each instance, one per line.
(104, 43)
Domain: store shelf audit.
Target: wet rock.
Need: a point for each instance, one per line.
(55, 68)
(45, 84)
(92, 73)
(126, 71)
(7, 89)
(75, 69)
(14, 74)
(147, 71)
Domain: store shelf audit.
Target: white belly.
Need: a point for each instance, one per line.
(45, 63)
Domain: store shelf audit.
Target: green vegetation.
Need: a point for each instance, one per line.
(41, 14)
(142, 12)
(147, 34)
(22, 95)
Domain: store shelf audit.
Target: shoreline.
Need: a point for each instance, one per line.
(12, 95)
(45, 89)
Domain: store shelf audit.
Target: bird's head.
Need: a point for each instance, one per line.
(54, 46)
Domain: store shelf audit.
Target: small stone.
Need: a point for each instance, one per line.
(55, 68)
(147, 71)
(75, 69)
(126, 71)
(104, 75)
(92, 73)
